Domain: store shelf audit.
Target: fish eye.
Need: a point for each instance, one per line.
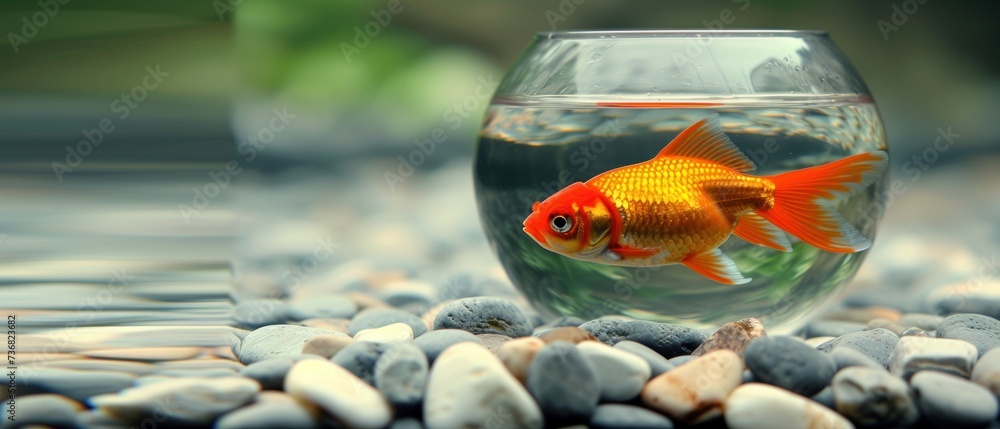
(560, 223)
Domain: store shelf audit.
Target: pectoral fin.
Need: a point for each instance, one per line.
(715, 265)
(626, 252)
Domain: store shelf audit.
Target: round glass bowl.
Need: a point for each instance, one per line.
(576, 104)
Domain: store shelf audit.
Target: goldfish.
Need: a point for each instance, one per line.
(680, 206)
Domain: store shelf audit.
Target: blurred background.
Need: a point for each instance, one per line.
(181, 147)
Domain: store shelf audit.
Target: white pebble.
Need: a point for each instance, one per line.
(620, 374)
(340, 393)
(389, 334)
(762, 406)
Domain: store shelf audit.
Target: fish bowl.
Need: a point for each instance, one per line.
(578, 104)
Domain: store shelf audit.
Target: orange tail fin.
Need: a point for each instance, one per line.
(803, 201)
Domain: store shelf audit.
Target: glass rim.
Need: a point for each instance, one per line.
(693, 32)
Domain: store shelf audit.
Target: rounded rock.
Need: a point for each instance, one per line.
(193, 401)
(517, 355)
(789, 363)
(326, 345)
(339, 393)
(434, 343)
(758, 405)
(401, 375)
(986, 373)
(493, 342)
(877, 344)
(913, 354)
(258, 313)
(845, 357)
(45, 410)
(566, 333)
(733, 336)
(872, 397)
(360, 358)
(948, 401)
(976, 329)
(621, 416)
(286, 412)
(483, 315)
(696, 391)
(277, 340)
(388, 334)
(666, 339)
(657, 363)
(270, 373)
(563, 382)
(380, 316)
(621, 375)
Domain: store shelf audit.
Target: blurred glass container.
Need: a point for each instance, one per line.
(577, 104)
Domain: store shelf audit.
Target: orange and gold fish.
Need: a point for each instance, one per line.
(680, 206)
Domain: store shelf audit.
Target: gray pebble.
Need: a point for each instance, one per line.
(270, 373)
(832, 328)
(677, 361)
(825, 397)
(563, 383)
(484, 315)
(277, 340)
(360, 358)
(948, 401)
(657, 363)
(323, 307)
(876, 344)
(622, 416)
(493, 342)
(871, 397)
(789, 363)
(915, 354)
(42, 410)
(845, 357)
(987, 304)
(74, 384)
(435, 342)
(380, 316)
(272, 414)
(400, 375)
(976, 329)
(411, 301)
(257, 313)
(666, 339)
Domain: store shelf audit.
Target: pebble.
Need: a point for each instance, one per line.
(948, 401)
(257, 313)
(518, 353)
(277, 340)
(326, 345)
(962, 298)
(75, 384)
(833, 328)
(762, 406)
(733, 336)
(657, 363)
(696, 391)
(825, 397)
(401, 375)
(272, 410)
(572, 334)
(927, 322)
(382, 316)
(388, 334)
(620, 375)
(872, 397)
(914, 354)
(789, 363)
(184, 401)
(666, 339)
(681, 360)
(563, 382)
(876, 344)
(844, 357)
(339, 325)
(816, 341)
(493, 342)
(914, 332)
(487, 396)
(622, 416)
(987, 372)
(431, 313)
(323, 307)
(338, 392)
(407, 423)
(434, 343)
(976, 329)
(49, 410)
(484, 315)
(270, 373)
(360, 358)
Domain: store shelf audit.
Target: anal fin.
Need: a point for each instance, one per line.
(754, 229)
(715, 265)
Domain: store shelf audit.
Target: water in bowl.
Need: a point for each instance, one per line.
(530, 148)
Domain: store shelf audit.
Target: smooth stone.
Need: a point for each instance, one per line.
(833, 328)
(976, 329)
(493, 342)
(986, 373)
(401, 375)
(326, 345)
(914, 332)
(657, 363)
(75, 384)
(517, 355)
(277, 340)
(145, 354)
(483, 315)
(257, 313)
(733, 336)
(270, 373)
(681, 360)
(789, 363)
(339, 325)
(816, 341)
(885, 324)
(379, 317)
(696, 391)
(962, 298)
(45, 410)
(759, 406)
(563, 382)
(287, 412)
(948, 401)
(572, 334)
(433, 343)
(431, 313)
(184, 401)
(407, 423)
(871, 397)
(487, 395)
(322, 307)
(341, 394)
(824, 397)
(666, 339)
(388, 334)
(876, 344)
(927, 322)
(360, 358)
(559, 323)
(844, 357)
(622, 416)
(620, 375)
(914, 354)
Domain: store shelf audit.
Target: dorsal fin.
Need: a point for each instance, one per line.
(705, 140)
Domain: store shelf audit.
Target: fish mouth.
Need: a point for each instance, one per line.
(532, 231)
